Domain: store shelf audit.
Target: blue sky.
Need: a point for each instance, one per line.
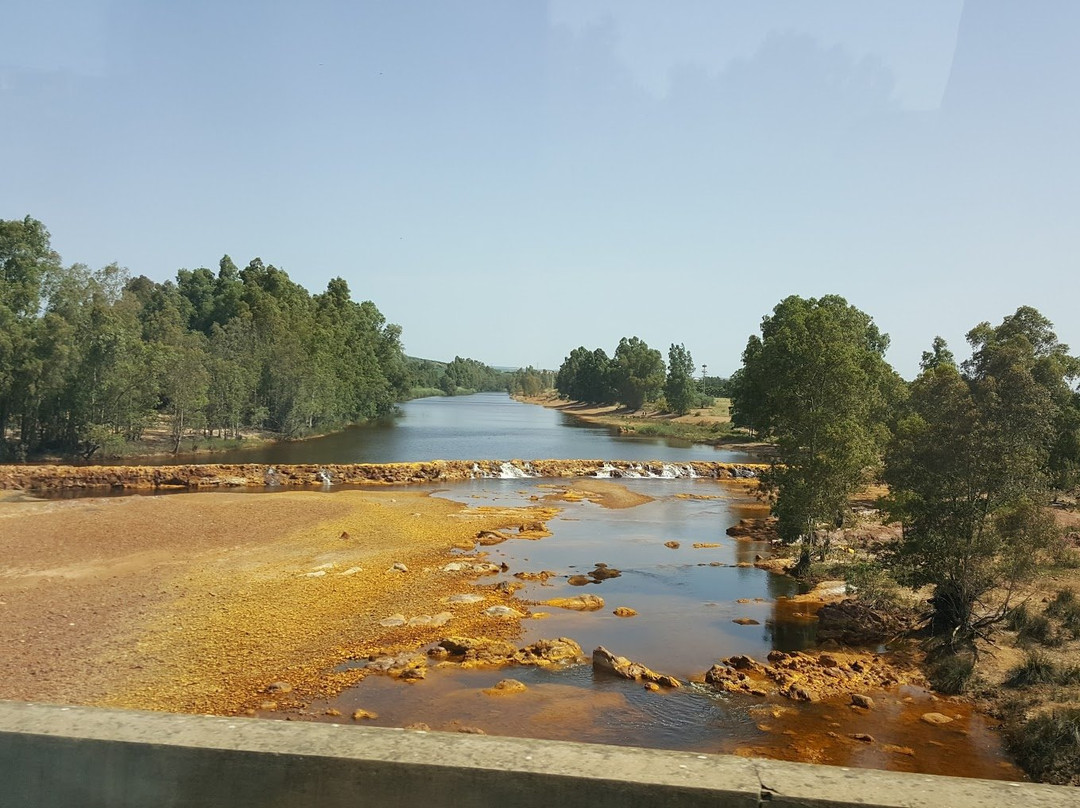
(508, 180)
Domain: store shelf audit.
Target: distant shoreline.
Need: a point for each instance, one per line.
(699, 426)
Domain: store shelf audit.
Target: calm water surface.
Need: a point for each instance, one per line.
(686, 600)
(485, 426)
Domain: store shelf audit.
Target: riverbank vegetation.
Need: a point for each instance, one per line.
(971, 455)
(101, 363)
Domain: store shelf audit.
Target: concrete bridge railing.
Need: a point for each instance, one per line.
(80, 756)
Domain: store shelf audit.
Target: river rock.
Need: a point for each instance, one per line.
(674, 545)
(487, 538)
(393, 621)
(477, 652)
(279, 687)
(541, 576)
(862, 736)
(464, 598)
(746, 621)
(399, 567)
(578, 603)
(605, 661)
(501, 611)
(859, 700)
(506, 687)
(546, 653)
(624, 611)
(936, 719)
(899, 750)
(603, 572)
(364, 715)
(580, 580)
(706, 545)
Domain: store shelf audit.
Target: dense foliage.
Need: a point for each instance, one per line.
(816, 379)
(633, 377)
(975, 452)
(91, 359)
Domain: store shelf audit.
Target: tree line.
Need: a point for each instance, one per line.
(90, 359)
(970, 451)
(635, 375)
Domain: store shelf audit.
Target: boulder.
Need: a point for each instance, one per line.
(936, 719)
(624, 611)
(506, 687)
(561, 651)
(364, 715)
(859, 700)
(578, 603)
(605, 661)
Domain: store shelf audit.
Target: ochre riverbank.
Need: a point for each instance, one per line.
(60, 478)
(200, 604)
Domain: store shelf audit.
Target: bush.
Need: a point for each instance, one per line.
(1048, 746)
(1036, 670)
(952, 673)
(1066, 608)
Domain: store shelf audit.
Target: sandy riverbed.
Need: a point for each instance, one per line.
(199, 602)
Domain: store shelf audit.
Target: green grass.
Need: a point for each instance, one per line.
(695, 433)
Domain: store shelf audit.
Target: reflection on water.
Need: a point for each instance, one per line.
(686, 599)
(486, 426)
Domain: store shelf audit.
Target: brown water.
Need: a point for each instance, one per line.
(686, 601)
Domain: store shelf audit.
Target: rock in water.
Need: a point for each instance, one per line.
(579, 603)
(604, 660)
(624, 611)
(506, 687)
(936, 718)
(364, 715)
(859, 700)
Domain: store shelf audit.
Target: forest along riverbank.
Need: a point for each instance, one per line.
(372, 605)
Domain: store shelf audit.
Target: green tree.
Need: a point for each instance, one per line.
(818, 381)
(637, 373)
(679, 388)
(969, 469)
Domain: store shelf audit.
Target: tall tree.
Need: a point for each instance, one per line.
(679, 389)
(818, 380)
(637, 372)
(969, 468)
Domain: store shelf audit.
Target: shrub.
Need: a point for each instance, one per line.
(1036, 670)
(952, 673)
(1066, 608)
(1048, 746)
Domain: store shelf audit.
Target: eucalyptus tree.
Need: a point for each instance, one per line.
(971, 464)
(637, 372)
(679, 388)
(817, 381)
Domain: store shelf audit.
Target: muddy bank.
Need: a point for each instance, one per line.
(59, 478)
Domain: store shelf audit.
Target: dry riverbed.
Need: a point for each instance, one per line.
(199, 604)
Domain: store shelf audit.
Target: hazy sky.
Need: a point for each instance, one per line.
(508, 180)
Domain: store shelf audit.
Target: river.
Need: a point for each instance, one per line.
(686, 599)
(485, 426)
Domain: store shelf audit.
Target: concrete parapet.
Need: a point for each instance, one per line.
(82, 756)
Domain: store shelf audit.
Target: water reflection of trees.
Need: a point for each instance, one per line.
(791, 627)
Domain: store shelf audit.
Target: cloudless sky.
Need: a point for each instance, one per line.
(508, 180)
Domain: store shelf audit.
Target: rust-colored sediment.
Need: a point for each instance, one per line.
(197, 604)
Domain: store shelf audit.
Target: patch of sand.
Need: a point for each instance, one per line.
(604, 493)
